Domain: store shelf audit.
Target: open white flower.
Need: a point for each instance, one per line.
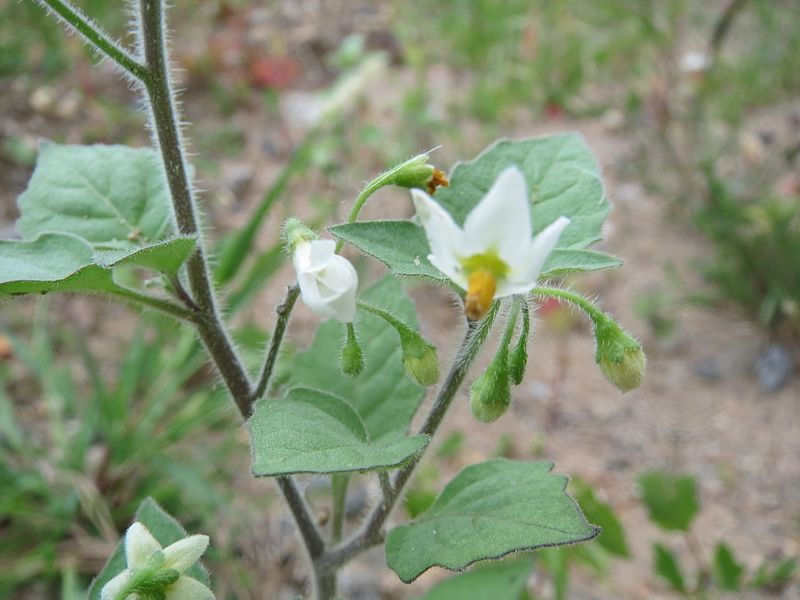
(327, 281)
(494, 255)
(149, 567)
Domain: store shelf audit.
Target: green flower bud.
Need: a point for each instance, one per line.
(295, 232)
(518, 360)
(416, 172)
(490, 394)
(352, 357)
(619, 355)
(419, 358)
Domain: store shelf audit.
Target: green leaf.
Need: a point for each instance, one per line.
(383, 395)
(727, 571)
(487, 511)
(563, 178)
(671, 500)
(56, 262)
(567, 260)
(562, 175)
(112, 196)
(612, 536)
(310, 431)
(666, 566)
(164, 528)
(504, 579)
(400, 245)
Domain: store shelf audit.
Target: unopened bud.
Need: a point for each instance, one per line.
(295, 232)
(518, 359)
(416, 172)
(352, 357)
(490, 394)
(619, 356)
(419, 358)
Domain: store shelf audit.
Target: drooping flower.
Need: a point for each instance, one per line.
(327, 281)
(155, 572)
(494, 254)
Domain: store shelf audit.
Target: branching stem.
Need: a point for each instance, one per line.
(95, 36)
(283, 311)
(372, 531)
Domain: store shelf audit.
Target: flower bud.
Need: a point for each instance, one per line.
(619, 356)
(416, 172)
(295, 232)
(352, 357)
(490, 394)
(419, 358)
(518, 360)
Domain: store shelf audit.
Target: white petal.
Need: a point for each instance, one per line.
(184, 553)
(139, 545)
(528, 265)
(187, 588)
(446, 239)
(322, 251)
(501, 221)
(114, 586)
(331, 291)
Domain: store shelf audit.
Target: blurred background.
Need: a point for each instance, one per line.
(692, 108)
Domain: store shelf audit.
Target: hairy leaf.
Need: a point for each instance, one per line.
(487, 511)
(65, 263)
(111, 196)
(310, 431)
(493, 581)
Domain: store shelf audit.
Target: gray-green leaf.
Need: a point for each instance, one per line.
(495, 580)
(487, 511)
(65, 263)
(310, 431)
(383, 395)
(112, 196)
(164, 528)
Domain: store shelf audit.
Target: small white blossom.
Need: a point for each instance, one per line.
(494, 254)
(140, 548)
(327, 281)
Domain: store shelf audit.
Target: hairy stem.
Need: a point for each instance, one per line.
(95, 36)
(158, 303)
(283, 310)
(209, 324)
(372, 531)
(594, 313)
(339, 483)
(165, 125)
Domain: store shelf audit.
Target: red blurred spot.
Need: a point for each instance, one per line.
(274, 72)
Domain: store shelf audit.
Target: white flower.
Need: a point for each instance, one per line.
(494, 255)
(140, 550)
(327, 281)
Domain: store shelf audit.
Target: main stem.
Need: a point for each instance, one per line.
(209, 323)
(160, 94)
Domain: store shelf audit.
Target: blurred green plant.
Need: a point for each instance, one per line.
(672, 503)
(757, 254)
(80, 447)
